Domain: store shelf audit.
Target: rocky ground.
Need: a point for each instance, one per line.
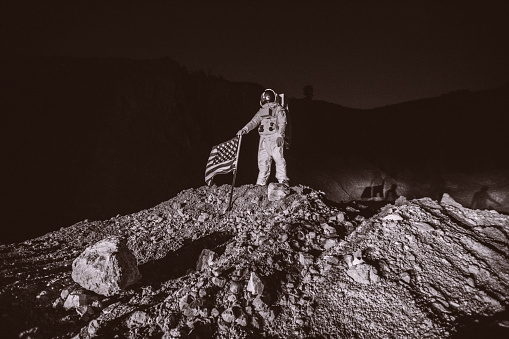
(299, 267)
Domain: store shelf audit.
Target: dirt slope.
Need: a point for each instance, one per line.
(297, 267)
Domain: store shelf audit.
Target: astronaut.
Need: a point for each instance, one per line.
(271, 122)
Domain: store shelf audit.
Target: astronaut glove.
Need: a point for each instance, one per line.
(241, 132)
(279, 142)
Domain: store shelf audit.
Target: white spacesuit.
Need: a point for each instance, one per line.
(271, 122)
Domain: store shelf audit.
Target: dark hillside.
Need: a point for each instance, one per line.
(414, 142)
(93, 138)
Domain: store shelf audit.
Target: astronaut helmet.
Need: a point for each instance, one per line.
(268, 96)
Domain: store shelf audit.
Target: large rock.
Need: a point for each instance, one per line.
(106, 267)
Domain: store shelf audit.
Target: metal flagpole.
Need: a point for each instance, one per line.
(234, 174)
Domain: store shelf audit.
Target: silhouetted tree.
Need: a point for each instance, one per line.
(308, 92)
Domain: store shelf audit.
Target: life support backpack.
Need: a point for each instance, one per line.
(281, 99)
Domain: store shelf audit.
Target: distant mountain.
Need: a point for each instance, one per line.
(93, 138)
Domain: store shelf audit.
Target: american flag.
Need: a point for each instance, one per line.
(222, 159)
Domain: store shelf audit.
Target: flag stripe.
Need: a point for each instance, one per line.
(222, 159)
(219, 167)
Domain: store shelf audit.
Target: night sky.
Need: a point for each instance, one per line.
(359, 54)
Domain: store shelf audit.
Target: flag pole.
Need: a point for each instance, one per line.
(234, 174)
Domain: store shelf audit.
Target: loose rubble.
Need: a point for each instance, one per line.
(292, 267)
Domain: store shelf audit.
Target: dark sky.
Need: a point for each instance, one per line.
(358, 54)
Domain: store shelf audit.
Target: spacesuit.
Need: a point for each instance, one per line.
(271, 122)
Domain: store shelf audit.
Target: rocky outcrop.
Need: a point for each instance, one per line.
(296, 267)
(106, 267)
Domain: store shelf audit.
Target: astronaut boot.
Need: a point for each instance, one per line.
(285, 182)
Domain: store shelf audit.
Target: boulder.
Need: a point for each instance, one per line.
(107, 267)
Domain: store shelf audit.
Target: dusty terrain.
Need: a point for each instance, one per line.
(417, 269)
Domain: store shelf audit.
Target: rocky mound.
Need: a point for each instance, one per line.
(298, 267)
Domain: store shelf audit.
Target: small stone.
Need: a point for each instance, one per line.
(228, 316)
(326, 268)
(269, 315)
(504, 323)
(214, 312)
(306, 259)
(138, 319)
(330, 243)
(301, 236)
(332, 260)
(422, 226)
(57, 303)
(73, 301)
(97, 304)
(277, 191)
(205, 260)
(93, 328)
(189, 311)
(202, 292)
(259, 304)
(175, 333)
(219, 282)
(241, 320)
(392, 217)
(64, 294)
(85, 310)
(454, 304)
(255, 284)
(348, 259)
(43, 295)
(235, 287)
(357, 258)
(328, 230)
(255, 322)
(404, 276)
(185, 301)
(440, 307)
(363, 273)
(204, 312)
(340, 217)
(203, 217)
(201, 281)
(299, 322)
(283, 237)
(232, 298)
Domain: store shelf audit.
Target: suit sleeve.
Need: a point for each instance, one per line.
(254, 122)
